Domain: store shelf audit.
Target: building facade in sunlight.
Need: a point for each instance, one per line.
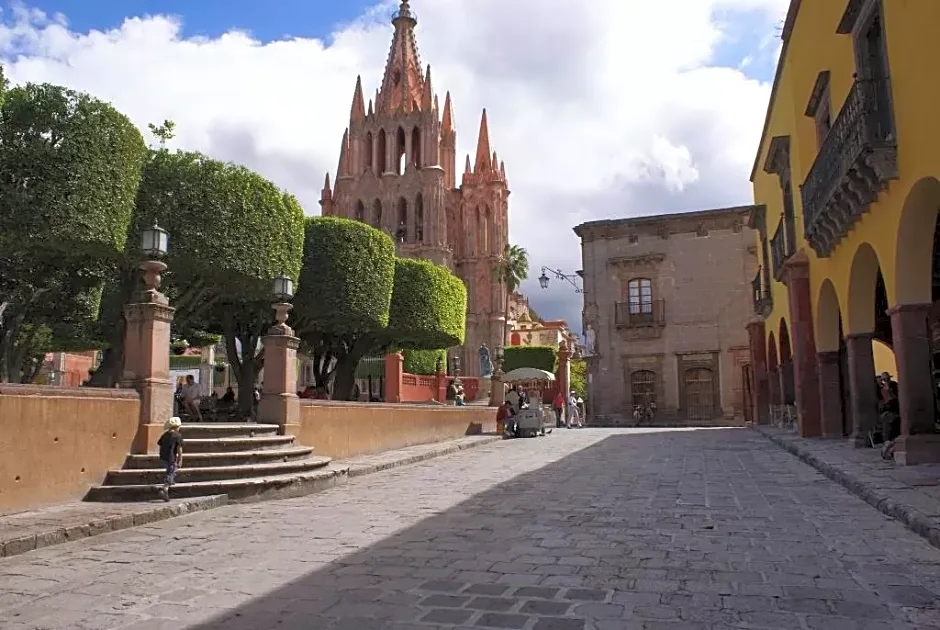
(398, 172)
(667, 298)
(848, 181)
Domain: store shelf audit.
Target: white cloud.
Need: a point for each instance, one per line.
(600, 109)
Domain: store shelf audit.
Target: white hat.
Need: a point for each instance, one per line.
(172, 424)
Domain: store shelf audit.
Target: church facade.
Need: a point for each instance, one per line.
(397, 172)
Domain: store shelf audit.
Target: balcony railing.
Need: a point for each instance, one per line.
(761, 294)
(855, 162)
(779, 251)
(637, 314)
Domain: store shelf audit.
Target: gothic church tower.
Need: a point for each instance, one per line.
(397, 172)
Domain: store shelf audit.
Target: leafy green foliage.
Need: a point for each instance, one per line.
(579, 377)
(70, 166)
(424, 361)
(429, 306)
(347, 278)
(539, 357)
(512, 270)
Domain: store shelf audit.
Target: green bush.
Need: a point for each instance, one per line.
(70, 166)
(429, 306)
(229, 228)
(347, 278)
(539, 357)
(424, 361)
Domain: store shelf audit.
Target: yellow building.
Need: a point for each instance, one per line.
(846, 182)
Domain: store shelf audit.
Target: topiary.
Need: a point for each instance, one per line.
(539, 357)
(424, 362)
(429, 306)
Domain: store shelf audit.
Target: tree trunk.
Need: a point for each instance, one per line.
(247, 377)
(345, 372)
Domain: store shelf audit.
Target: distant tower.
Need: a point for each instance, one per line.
(397, 172)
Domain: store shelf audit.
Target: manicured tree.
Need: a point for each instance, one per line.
(341, 309)
(70, 166)
(231, 233)
(425, 362)
(429, 306)
(538, 357)
(512, 270)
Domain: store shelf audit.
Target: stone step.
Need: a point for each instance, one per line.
(235, 458)
(226, 429)
(236, 444)
(247, 489)
(192, 474)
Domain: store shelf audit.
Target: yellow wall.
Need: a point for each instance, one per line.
(884, 358)
(913, 54)
(59, 441)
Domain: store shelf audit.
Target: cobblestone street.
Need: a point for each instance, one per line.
(592, 529)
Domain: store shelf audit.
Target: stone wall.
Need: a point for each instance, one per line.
(55, 442)
(341, 429)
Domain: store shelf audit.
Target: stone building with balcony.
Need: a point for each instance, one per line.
(847, 182)
(667, 299)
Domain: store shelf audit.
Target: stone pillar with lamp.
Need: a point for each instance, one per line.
(279, 402)
(147, 344)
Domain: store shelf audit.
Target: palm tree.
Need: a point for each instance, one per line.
(511, 270)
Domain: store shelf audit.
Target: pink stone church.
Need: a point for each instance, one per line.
(398, 172)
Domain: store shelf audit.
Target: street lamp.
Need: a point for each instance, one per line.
(455, 363)
(499, 353)
(544, 279)
(283, 290)
(154, 244)
(154, 241)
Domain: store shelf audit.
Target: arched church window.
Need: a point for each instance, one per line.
(401, 225)
(400, 151)
(360, 211)
(416, 147)
(382, 153)
(419, 218)
(377, 213)
(370, 147)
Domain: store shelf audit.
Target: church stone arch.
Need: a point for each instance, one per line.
(400, 148)
(828, 318)
(382, 153)
(419, 218)
(912, 281)
(416, 147)
(401, 220)
(377, 213)
(360, 212)
(370, 148)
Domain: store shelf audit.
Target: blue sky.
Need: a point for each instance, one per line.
(266, 20)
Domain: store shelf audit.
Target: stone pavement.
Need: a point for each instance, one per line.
(21, 532)
(594, 529)
(910, 494)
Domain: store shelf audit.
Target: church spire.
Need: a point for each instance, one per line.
(427, 98)
(447, 125)
(342, 169)
(402, 83)
(483, 161)
(357, 113)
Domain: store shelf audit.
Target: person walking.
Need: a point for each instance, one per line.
(171, 454)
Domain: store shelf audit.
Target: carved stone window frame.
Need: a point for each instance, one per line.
(819, 107)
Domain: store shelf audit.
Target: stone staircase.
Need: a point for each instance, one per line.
(242, 461)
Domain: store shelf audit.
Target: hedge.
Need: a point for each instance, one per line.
(70, 166)
(347, 277)
(185, 362)
(429, 306)
(228, 226)
(540, 357)
(424, 361)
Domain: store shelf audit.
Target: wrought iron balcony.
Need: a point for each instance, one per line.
(780, 249)
(763, 302)
(855, 163)
(636, 315)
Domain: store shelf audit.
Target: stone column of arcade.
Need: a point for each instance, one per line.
(862, 387)
(830, 393)
(147, 345)
(758, 348)
(805, 376)
(910, 331)
(279, 403)
(564, 372)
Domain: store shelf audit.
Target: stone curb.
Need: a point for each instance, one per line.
(31, 542)
(913, 519)
(17, 546)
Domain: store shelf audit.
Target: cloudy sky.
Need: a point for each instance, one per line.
(600, 108)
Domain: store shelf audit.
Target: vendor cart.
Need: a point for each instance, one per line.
(535, 419)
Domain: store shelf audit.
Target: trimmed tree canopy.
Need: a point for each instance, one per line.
(346, 279)
(429, 306)
(539, 357)
(70, 166)
(228, 226)
(424, 361)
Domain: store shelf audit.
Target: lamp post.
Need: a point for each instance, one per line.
(572, 280)
(279, 403)
(497, 391)
(148, 322)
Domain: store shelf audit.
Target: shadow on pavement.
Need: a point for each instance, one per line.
(637, 530)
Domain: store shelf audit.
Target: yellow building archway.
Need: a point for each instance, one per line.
(828, 318)
(914, 267)
(859, 317)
